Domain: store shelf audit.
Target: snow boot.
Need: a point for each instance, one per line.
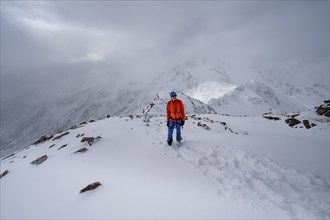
(169, 142)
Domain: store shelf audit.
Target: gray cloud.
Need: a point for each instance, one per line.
(135, 40)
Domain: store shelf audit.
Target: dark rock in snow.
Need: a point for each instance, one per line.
(292, 122)
(43, 139)
(271, 118)
(324, 109)
(83, 123)
(61, 135)
(327, 113)
(62, 146)
(24, 156)
(92, 121)
(4, 174)
(321, 110)
(80, 135)
(51, 145)
(91, 186)
(74, 127)
(90, 140)
(39, 160)
(82, 150)
(203, 126)
(8, 156)
(306, 124)
(108, 116)
(292, 116)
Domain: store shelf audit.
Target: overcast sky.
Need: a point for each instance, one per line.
(137, 39)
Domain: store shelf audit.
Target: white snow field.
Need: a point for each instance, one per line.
(241, 167)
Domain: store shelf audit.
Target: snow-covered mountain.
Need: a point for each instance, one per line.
(233, 169)
(36, 114)
(254, 98)
(307, 81)
(291, 87)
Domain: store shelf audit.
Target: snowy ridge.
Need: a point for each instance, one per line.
(141, 173)
(192, 106)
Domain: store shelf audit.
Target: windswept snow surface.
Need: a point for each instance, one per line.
(249, 167)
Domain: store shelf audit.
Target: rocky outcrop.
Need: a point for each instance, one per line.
(40, 160)
(6, 157)
(308, 125)
(61, 135)
(43, 139)
(91, 186)
(4, 174)
(90, 140)
(271, 117)
(200, 124)
(80, 135)
(324, 109)
(62, 147)
(292, 121)
(82, 150)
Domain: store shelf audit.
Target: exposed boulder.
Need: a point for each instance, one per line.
(61, 135)
(83, 123)
(321, 110)
(203, 126)
(4, 174)
(80, 135)
(82, 150)
(43, 139)
(39, 160)
(90, 140)
(62, 146)
(324, 109)
(292, 122)
(271, 117)
(91, 186)
(51, 145)
(10, 155)
(306, 124)
(327, 113)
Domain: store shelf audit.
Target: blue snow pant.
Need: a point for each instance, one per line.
(171, 126)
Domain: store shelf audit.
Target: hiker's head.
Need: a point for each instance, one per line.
(173, 95)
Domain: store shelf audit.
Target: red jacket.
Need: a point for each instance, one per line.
(175, 110)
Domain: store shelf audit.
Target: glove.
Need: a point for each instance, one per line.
(182, 123)
(168, 123)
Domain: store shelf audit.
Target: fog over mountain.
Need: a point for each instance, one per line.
(66, 62)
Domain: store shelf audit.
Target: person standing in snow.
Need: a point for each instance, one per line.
(175, 118)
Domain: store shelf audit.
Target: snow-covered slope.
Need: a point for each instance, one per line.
(208, 90)
(254, 98)
(32, 115)
(234, 169)
(307, 81)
